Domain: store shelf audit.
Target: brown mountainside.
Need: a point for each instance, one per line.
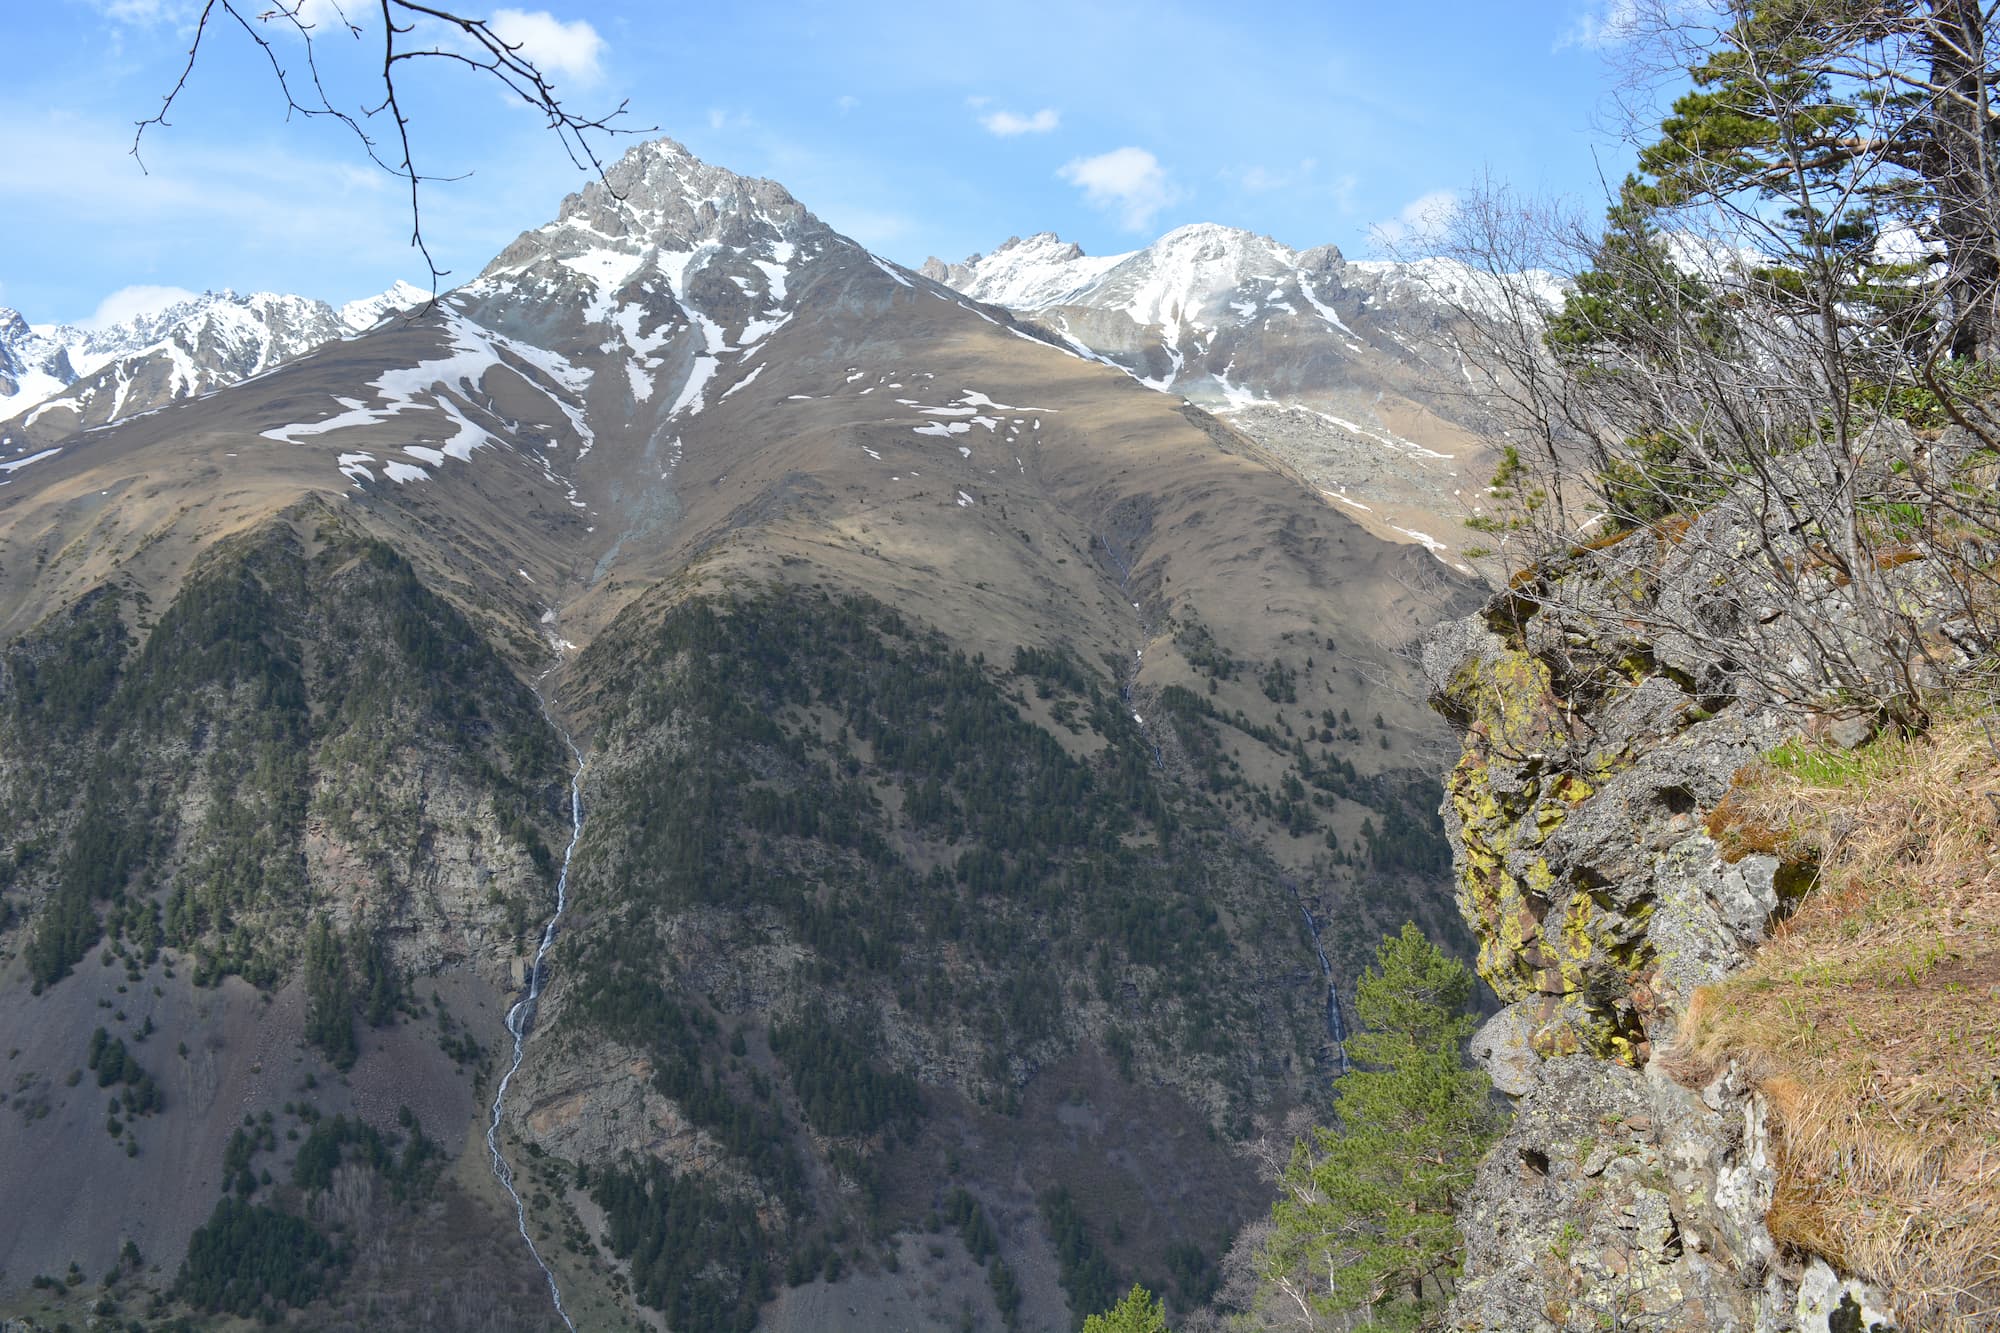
(966, 731)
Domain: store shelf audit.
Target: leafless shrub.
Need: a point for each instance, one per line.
(1757, 417)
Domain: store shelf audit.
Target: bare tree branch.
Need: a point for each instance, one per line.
(484, 51)
(1756, 400)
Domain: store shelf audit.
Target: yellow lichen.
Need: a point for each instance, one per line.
(1508, 695)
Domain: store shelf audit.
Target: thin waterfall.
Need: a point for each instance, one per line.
(521, 1017)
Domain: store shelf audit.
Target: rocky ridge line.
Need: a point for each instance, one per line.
(91, 377)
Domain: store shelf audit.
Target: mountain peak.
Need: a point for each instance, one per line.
(662, 175)
(368, 311)
(1030, 274)
(659, 199)
(1195, 233)
(1042, 245)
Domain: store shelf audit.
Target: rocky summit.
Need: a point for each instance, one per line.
(786, 783)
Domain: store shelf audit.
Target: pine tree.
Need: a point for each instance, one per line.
(1364, 1226)
(1847, 114)
(380, 987)
(1139, 1312)
(329, 999)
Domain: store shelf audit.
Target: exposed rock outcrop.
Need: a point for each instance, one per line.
(1594, 754)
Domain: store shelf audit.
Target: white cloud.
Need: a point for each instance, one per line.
(846, 102)
(1007, 124)
(555, 47)
(1608, 23)
(1262, 180)
(143, 11)
(274, 204)
(129, 302)
(1421, 221)
(1344, 186)
(1127, 181)
(323, 17)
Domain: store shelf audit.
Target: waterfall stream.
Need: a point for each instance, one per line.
(1129, 678)
(521, 1017)
(1336, 1028)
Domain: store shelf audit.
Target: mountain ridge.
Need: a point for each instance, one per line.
(966, 728)
(1346, 370)
(185, 348)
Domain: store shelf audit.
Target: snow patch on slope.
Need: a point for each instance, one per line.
(429, 385)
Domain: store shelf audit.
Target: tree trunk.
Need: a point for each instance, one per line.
(1959, 150)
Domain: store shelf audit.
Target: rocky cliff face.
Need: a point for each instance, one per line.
(1593, 755)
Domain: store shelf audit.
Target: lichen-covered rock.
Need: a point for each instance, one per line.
(1573, 1221)
(1715, 1149)
(1577, 840)
(1593, 757)
(1829, 1303)
(1501, 1048)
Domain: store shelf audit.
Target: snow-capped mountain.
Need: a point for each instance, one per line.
(401, 298)
(1198, 283)
(644, 302)
(841, 580)
(669, 266)
(78, 378)
(1163, 308)
(1332, 365)
(34, 363)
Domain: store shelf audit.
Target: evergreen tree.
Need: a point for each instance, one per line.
(1633, 296)
(381, 989)
(1365, 1222)
(1139, 1312)
(1846, 114)
(1798, 292)
(329, 998)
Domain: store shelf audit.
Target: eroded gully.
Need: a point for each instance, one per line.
(1336, 1029)
(521, 1017)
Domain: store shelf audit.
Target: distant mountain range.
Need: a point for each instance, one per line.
(1335, 366)
(993, 772)
(59, 378)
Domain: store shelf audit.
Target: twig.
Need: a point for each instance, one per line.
(308, 97)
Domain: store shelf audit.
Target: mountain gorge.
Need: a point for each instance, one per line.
(993, 772)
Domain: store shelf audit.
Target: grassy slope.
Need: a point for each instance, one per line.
(1871, 1021)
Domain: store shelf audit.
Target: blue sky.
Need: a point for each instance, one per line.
(940, 127)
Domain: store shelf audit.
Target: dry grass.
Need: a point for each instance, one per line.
(1871, 1022)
